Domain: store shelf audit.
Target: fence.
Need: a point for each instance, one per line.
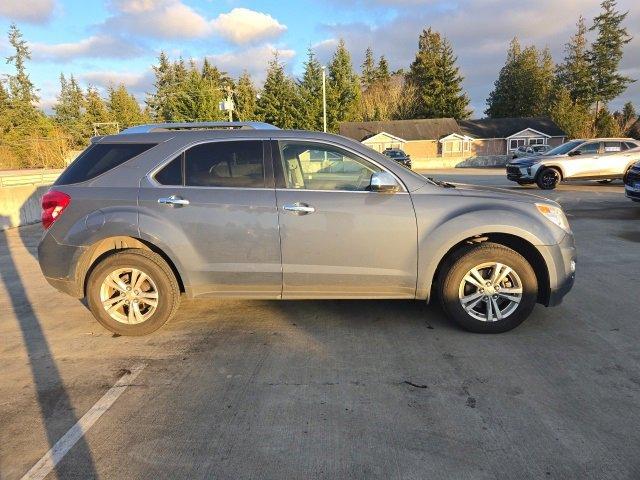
(31, 177)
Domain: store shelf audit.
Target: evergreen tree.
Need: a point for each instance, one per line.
(573, 118)
(437, 80)
(21, 91)
(525, 84)
(244, 98)
(369, 71)
(124, 108)
(627, 118)
(606, 125)
(606, 53)
(382, 72)
(68, 110)
(574, 73)
(343, 89)
(158, 101)
(310, 91)
(96, 111)
(278, 100)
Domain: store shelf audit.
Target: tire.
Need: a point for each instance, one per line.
(605, 181)
(548, 178)
(453, 285)
(145, 318)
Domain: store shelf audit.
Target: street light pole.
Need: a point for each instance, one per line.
(324, 99)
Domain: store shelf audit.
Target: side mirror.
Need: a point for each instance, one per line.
(574, 153)
(383, 182)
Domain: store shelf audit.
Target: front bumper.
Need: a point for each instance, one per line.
(561, 264)
(632, 184)
(520, 174)
(58, 264)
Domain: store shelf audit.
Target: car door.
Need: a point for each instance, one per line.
(338, 239)
(214, 206)
(615, 159)
(584, 161)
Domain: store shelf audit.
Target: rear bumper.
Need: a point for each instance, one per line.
(562, 269)
(58, 264)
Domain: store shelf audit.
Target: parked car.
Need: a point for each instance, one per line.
(530, 150)
(399, 156)
(632, 182)
(602, 159)
(248, 211)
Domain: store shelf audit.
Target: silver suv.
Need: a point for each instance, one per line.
(245, 210)
(602, 159)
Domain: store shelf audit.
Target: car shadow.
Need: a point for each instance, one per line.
(56, 407)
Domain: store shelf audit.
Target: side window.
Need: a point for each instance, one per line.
(314, 166)
(225, 164)
(589, 148)
(171, 174)
(612, 147)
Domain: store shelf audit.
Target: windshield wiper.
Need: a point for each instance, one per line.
(440, 183)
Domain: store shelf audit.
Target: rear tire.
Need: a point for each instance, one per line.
(456, 289)
(139, 289)
(548, 178)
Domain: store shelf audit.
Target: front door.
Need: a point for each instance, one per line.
(338, 239)
(585, 161)
(216, 209)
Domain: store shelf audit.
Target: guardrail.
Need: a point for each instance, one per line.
(31, 178)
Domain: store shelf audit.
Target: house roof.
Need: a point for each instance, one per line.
(421, 129)
(505, 127)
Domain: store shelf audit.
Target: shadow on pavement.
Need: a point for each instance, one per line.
(55, 404)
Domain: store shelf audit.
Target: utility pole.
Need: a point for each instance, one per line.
(324, 98)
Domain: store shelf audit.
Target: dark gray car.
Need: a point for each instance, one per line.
(244, 210)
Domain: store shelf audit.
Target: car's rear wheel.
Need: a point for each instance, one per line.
(133, 292)
(489, 289)
(548, 178)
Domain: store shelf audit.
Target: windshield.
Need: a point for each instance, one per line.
(564, 148)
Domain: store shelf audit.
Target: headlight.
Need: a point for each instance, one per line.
(554, 214)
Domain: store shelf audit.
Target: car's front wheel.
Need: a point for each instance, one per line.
(489, 289)
(548, 179)
(133, 292)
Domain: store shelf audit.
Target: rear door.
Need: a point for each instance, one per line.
(214, 206)
(615, 159)
(338, 239)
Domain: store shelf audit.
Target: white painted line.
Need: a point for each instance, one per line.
(48, 462)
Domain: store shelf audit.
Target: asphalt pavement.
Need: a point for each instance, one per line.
(334, 389)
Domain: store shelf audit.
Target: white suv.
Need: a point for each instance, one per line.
(602, 159)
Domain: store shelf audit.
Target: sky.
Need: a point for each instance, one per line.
(113, 41)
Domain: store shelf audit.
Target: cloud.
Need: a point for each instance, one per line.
(172, 19)
(100, 46)
(254, 60)
(137, 83)
(30, 11)
(242, 25)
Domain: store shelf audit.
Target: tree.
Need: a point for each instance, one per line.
(606, 53)
(606, 125)
(278, 100)
(436, 79)
(343, 89)
(68, 110)
(574, 73)
(524, 85)
(382, 72)
(573, 118)
(244, 97)
(626, 118)
(96, 111)
(310, 92)
(369, 71)
(124, 108)
(158, 101)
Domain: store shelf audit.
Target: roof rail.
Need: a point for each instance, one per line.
(169, 126)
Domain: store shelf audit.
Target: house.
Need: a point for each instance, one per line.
(446, 138)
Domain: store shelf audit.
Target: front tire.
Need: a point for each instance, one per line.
(489, 289)
(548, 179)
(133, 292)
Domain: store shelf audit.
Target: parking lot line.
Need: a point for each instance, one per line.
(50, 459)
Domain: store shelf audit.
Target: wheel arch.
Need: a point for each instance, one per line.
(555, 166)
(105, 247)
(517, 243)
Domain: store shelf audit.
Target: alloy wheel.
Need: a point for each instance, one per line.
(129, 295)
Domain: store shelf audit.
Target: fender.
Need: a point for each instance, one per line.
(435, 241)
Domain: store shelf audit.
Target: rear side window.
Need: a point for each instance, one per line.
(236, 164)
(100, 158)
(611, 147)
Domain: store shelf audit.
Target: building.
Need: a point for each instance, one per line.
(490, 140)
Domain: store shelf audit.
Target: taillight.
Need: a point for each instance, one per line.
(53, 204)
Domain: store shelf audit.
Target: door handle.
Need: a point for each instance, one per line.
(173, 201)
(299, 208)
